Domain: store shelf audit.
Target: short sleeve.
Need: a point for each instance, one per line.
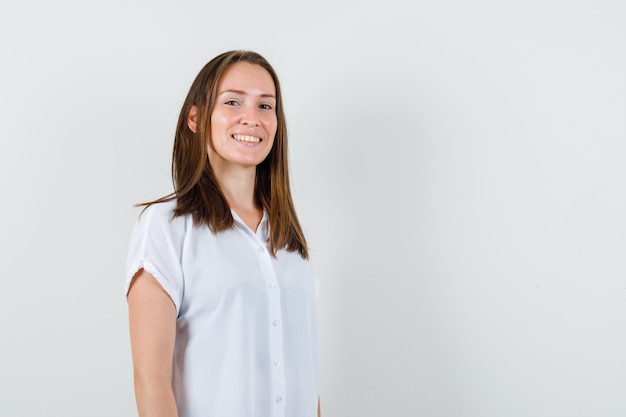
(156, 245)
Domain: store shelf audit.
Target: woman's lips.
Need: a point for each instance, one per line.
(247, 138)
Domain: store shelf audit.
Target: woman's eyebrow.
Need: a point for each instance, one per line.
(240, 92)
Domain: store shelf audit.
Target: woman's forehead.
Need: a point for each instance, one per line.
(247, 78)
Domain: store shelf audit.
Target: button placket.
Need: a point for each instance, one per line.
(276, 349)
(278, 381)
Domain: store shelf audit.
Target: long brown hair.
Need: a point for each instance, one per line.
(196, 189)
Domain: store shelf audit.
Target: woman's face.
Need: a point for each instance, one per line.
(243, 121)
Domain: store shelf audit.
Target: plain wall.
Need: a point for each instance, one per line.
(460, 168)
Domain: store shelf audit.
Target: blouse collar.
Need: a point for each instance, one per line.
(262, 230)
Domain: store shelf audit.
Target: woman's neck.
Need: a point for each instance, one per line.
(238, 189)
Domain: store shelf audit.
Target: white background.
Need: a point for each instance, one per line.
(460, 168)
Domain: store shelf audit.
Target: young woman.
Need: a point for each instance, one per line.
(222, 299)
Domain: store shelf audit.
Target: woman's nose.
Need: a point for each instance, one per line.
(250, 122)
(250, 119)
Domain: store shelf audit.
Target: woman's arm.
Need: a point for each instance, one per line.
(152, 316)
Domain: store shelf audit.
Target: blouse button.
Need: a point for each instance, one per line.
(279, 399)
(275, 323)
(272, 285)
(276, 362)
(260, 249)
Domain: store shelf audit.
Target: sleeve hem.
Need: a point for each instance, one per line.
(147, 266)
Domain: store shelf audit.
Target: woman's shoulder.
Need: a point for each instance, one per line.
(160, 214)
(160, 209)
(157, 226)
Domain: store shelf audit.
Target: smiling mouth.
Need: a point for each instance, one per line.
(246, 138)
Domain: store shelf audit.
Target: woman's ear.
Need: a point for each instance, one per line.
(191, 118)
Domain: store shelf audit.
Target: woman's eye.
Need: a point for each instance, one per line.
(266, 107)
(231, 102)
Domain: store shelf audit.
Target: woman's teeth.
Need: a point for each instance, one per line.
(246, 138)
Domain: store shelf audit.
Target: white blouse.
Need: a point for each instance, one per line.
(246, 330)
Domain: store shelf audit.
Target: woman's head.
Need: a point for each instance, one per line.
(195, 185)
(190, 156)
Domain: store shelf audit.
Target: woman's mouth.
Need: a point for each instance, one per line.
(246, 138)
